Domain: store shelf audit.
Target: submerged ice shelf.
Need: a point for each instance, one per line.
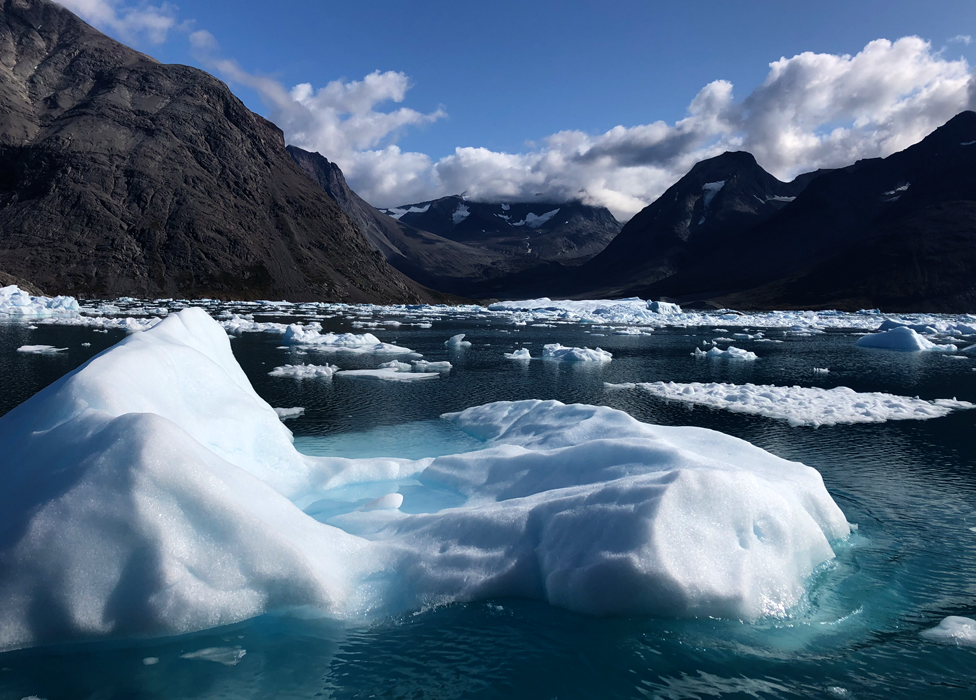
(153, 492)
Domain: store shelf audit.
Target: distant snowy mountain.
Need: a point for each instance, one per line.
(564, 232)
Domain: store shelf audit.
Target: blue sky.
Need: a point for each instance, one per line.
(501, 79)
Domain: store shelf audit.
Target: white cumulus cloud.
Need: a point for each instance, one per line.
(813, 110)
(127, 21)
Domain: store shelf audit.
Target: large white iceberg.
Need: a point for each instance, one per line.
(151, 491)
(802, 405)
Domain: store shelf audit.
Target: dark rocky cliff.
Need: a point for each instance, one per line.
(123, 176)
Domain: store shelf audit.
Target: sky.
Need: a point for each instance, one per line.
(608, 102)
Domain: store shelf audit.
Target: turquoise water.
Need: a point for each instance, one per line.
(910, 486)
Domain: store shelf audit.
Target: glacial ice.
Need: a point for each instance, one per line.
(17, 303)
(456, 342)
(901, 338)
(387, 374)
(802, 405)
(304, 371)
(557, 353)
(352, 343)
(519, 354)
(289, 413)
(730, 353)
(40, 349)
(151, 491)
(953, 630)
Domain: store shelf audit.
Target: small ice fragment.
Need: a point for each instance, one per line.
(40, 349)
(228, 656)
(457, 341)
(150, 661)
(289, 413)
(953, 630)
(520, 354)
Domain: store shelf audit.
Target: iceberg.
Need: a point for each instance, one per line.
(557, 353)
(16, 303)
(151, 491)
(456, 342)
(40, 349)
(730, 353)
(953, 630)
(304, 371)
(352, 343)
(901, 338)
(802, 405)
(519, 354)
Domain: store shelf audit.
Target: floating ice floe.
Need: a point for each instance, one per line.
(351, 343)
(304, 371)
(426, 366)
(802, 405)
(40, 349)
(14, 302)
(901, 338)
(389, 374)
(289, 413)
(457, 341)
(557, 353)
(152, 492)
(730, 353)
(953, 630)
(519, 354)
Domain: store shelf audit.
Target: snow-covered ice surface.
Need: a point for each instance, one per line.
(157, 454)
(953, 630)
(802, 405)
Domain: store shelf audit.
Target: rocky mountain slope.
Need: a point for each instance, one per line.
(123, 176)
(897, 233)
(568, 233)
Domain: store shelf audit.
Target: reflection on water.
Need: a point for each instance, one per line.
(909, 486)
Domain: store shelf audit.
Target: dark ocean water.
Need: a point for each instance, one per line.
(909, 485)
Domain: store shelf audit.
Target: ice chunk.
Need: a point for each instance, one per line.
(396, 366)
(390, 375)
(730, 353)
(663, 307)
(426, 366)
(304, 371)
(14, 302)
(520, 354)
(901, 338)
(289, 413)
(804, 405)
(40, 349)
(359, 344)
(151, 491)
(557, 353)
(953, 630)
(457, 341)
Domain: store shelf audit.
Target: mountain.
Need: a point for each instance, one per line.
(714, 203)
(468, 248)
(123, 176)
(434, 261)
(897, 233)
(568, 232)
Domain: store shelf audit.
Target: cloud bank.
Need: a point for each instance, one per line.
(813, 110)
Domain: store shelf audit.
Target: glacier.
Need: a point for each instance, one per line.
(153, 492)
